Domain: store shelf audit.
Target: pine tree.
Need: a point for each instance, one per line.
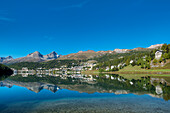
(155, 61)
(160, 60)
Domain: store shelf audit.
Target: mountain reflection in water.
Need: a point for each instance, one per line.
(153, 86)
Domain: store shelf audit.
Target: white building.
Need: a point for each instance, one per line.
(113, 67)
(119, 65)
(159, 90)
(158, 54)
(25, 69)
(131, 61)
(14, 70)
(56, 69)
(107, 68)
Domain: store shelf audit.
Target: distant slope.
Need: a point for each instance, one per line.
(115, 57)
(155, 46)
(49, 64)
(167, 66)
(81, 55)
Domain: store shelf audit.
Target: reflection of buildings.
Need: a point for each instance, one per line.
(158, 90)
(25, 72)
(161, 80)
(14, 72)
(51, 72)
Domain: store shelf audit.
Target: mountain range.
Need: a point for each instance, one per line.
(3, 59)
(91, 54)
(32, 57)
(38, 57)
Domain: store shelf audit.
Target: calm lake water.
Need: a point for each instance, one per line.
(83, 93)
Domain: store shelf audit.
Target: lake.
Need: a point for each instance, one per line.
(84, 93)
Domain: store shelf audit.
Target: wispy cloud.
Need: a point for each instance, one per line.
(5, 19)
(80, 5)
(3, 16)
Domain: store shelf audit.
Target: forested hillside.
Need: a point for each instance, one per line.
(145, 59)
(47, 65)
(4, 70)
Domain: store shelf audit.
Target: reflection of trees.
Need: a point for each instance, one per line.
(113, 83)
(166, 93)
(3, 77)
(142, 86)
(124, 84)
(44, 79)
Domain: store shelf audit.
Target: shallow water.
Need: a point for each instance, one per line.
(34, 94)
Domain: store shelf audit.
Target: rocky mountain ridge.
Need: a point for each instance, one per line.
(2, 59)
(33, 57)
(90, 53)
(38, 57)
(36, 54)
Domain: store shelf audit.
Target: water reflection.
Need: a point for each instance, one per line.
(155, 87)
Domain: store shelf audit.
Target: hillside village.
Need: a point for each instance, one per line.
(51, 71)
(158, 57)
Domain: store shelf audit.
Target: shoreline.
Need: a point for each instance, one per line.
(128, 72)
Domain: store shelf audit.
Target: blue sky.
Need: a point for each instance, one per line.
(67, 26)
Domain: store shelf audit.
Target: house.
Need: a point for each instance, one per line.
(131, 82)
(158, 54)
(124, 64)
(120, 57)
(24, 69)
(107, 76)
(90, 65)
(77, 68)
(50, 70)
(112, 78)
(113, 67)
(144, 57)
(14, 70)
(56, 69)
(119, 65)
(107, 68)
(158, 90)
(131, 61)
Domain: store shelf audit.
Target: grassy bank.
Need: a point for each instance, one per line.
(138, 69)
(132, 70)
(92, 72)
(138, 76)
